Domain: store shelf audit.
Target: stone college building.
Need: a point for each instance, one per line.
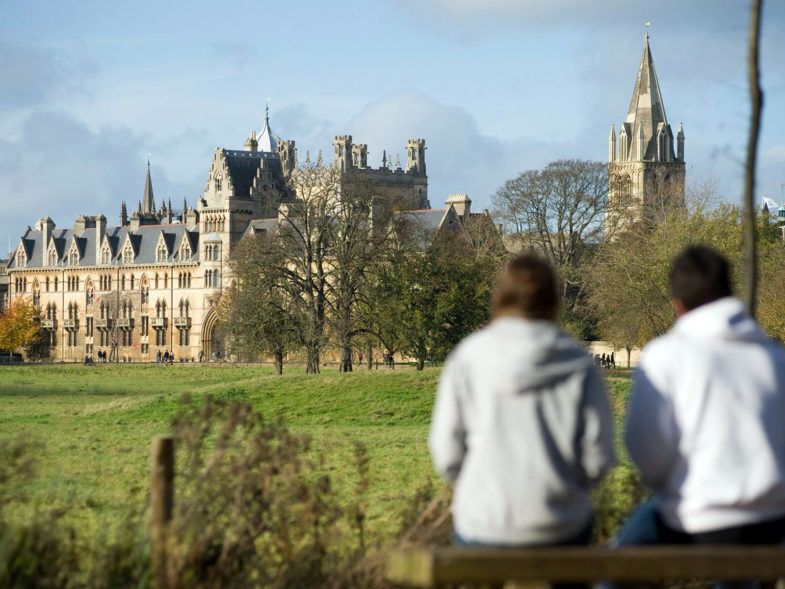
(150, 284)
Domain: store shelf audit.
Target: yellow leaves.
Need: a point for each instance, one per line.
(18, 324)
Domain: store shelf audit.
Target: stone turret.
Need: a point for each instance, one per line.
(286, 153)
(612, 145)
(343, 152)
(360, 156)
(251, 144)
(680, 143)
(123, 215)
(415, 156)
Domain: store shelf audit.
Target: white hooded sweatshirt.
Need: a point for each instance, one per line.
(706, 423)
(523, 426)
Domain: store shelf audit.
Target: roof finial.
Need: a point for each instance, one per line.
(148, 159)
(648, 24)
(267, 110)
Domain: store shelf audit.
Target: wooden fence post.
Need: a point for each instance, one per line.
(161, 502)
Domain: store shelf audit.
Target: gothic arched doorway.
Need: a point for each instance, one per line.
(212, 344)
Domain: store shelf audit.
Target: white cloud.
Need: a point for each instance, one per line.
(59, 167)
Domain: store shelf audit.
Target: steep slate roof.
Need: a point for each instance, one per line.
(646, 107)
(242, 169)
(144, 241)
(261, 226)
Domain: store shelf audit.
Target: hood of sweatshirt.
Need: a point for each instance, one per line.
(724, 319)
(540, 352)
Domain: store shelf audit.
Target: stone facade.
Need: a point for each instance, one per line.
(646, 170)
(4, 284)
(151, 283)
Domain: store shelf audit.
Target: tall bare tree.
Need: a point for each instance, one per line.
(756, 101)
(558, 211)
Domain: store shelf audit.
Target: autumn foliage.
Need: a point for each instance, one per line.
(18, 325)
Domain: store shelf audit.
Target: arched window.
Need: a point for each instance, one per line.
(73, 258)
(217, 182)
(36, 294)
(52, 258)
(160, 253)
(89, 295)
(166, 281)
(128, 254)
(106, 256)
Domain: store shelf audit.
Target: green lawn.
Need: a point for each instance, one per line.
(92, 426)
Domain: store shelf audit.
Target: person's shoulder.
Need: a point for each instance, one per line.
(662, 349)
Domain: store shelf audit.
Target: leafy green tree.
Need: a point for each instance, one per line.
(558, 211)
(628, 279)
(255, 315)
(425, 302)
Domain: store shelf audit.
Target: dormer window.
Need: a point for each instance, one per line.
(73, 258)
(52, 258)
(21, 258)
(128, 254)
(217, 182)
(185, 253)
(160, 253)
(106, 256)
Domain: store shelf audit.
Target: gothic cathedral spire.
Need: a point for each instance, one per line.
(644, 170)
(148, 202)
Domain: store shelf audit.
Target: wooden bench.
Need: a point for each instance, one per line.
(539, 566)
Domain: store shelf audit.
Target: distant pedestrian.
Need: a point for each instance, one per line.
(158, 357)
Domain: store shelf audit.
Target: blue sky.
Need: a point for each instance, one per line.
(495, 87)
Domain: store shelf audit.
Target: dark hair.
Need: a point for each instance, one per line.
(699, 275)
(527, 284)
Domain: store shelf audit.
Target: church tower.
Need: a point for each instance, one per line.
(645, 173)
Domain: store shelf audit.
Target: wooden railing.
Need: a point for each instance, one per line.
(535, 566)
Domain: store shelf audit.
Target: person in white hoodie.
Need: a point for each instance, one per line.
(706, 421)
(522, 423)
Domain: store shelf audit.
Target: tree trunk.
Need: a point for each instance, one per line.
(420, 363)
(312, 367)
(279, 362)
(369, 356)
(629, 350)
(756, 99)
(346, 359)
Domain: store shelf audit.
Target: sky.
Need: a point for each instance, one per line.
(495, 87)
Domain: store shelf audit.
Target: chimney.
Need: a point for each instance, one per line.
(461, 203)
(100, 232)
(45, 226)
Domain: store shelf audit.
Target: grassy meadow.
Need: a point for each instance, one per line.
(90, 429)
(91, 426)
